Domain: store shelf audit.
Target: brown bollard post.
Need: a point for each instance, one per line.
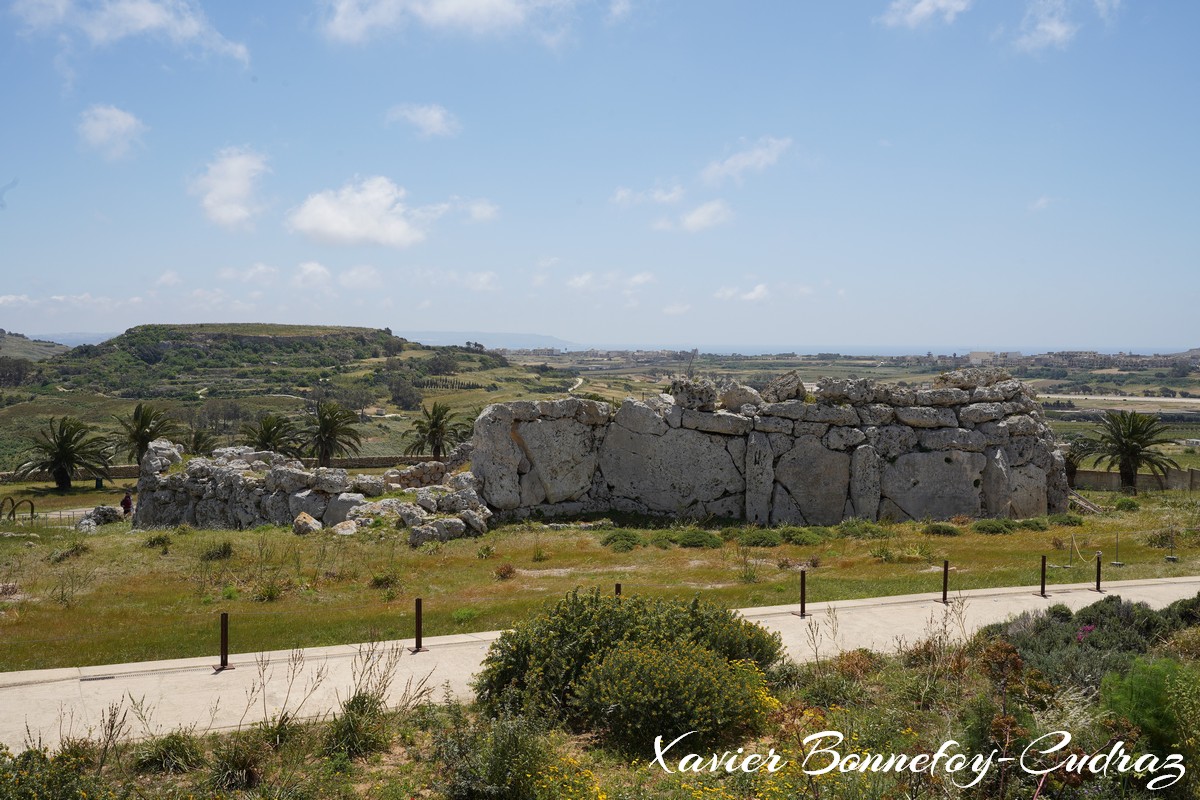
(418, 648)
(945, 582)
(224, 665)
(803, 594)
(1043, 576)
(617, 593)
(1098, 554)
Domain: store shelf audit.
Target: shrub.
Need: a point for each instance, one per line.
(268, 591)
(177, 751)
(485, 552)
(462, 616)
(1033, 524)
(536, 666)
(158, 540)
(760, 537)
(807, 537)
(700, 538)
(662, 540)
(1065, 520)
(387, 580)
(1127, 504)
(504, 572)
(498, 759)
(75, 549)
(35, 774)
(360, 729)
(642, 691)
(940, 529)
(237, 761)
(217, 552)
(1143, 696)
(862, 529)
(993, 526)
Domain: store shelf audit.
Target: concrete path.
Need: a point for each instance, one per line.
(59, 703)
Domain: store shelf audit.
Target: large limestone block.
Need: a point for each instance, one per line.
(698, 395)
(997, 392)
(640, 418)
(785, 387)
(952, 439)
(977, 413)
(564, 454)
(734, 396)
(304, 524)
(876, 414)
(309, 502)
(942, 397)
(330, 480)
(843, 438)
(1027, 491)
(760, 478)
(836, 390)
(831, 414)
(1023, 425)
(722, 422)
(926, 417)
(789, 409)
(865, 478)
(287, 479)
(772, 424)
(891, 441)
(994, 491)
(496, 458)
(817, 479)
(935, 485)
(670, 473)
(339, 507)
(784, 510)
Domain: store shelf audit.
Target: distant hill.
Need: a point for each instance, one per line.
(76, 338)
(186, 360)
(17, 345)
(490, 340)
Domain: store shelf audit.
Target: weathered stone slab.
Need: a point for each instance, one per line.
(942, 397)
(843, 438)
(935, 485)
(818, 480)
(760, 478)
(951, 439)
(981, 412)
(564, 452)
(640, 418)
(1027, 491)
(926, 417)
(865, 477)
(722, 422)
(670, 473)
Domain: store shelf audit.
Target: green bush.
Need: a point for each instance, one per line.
(622, 540)
(807, 537)
(642, 691)
(535, 667)
(994, 526)
(1127, 504)
(695, 537)
(1144, 697)
(34, 774)
(237, 761)
(662, 540)
(940, 529)
(760, 537)
(1065, 520)
(1033, 524)
(158, 540)
(862, 529)
(217, 552)
(497, 759)
(360, 729)
(177, 751)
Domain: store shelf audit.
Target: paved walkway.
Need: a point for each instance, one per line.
(63, 702)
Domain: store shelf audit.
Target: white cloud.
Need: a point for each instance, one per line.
(675, 309)
(168, 278)
(624, 196)
(362, 277)
(219, 300)
(311, 275)
(1107, 9)
(619, 10)
(358, 20)
(110, 131)
(15, 300)
(759, 292)
(582, 282)
(227, 186)
(429, 120)
(913, 13)
(1046, 24)
(256, 273)
(1041, 204)
(757, 158)
(478, 281)
(641, 279)
(712, 213)
(180, 21)
(548, 261)
(482, 210)
(367, 212)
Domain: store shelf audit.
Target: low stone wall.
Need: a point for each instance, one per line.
(975, 444)
(1187, 480)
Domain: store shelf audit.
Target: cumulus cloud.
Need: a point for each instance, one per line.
(428, 120)
(711, 214)
(105, 22)
(1041, 203)
(358, 20)
(14, 300)
(759, 292)
(763, 154)
(619, 10)
(257, 273)
(369, 211)
(110, 131)
(1046, 24)
(168, 278)
(913, 13)
(481, 210)
(662, 195)
(310, 275)
(228, 185)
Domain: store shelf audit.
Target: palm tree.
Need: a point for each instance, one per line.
(1126, 440)
(436, 430)
(331, 431)
(273, 432)
(147, 423)
(1077, 449)
(66, 445)
(200, 441)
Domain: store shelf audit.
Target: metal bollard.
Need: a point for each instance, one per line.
(802, 613)
(1098, 555)
(618, 590)
(418, 648)
(224, 665)
(1043, 576)
(945, 582)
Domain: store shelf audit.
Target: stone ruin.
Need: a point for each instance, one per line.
(974, 444)
(239, 488)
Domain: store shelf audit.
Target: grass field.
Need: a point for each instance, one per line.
(111, 598)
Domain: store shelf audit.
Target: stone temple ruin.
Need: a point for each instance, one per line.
(975, 444)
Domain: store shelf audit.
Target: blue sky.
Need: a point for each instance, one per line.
(882, 175)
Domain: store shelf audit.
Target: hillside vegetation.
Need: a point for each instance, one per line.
(17, 345)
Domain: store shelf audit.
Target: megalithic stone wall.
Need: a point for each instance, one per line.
(975, 444)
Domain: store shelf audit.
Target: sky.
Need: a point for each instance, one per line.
(875, 175)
